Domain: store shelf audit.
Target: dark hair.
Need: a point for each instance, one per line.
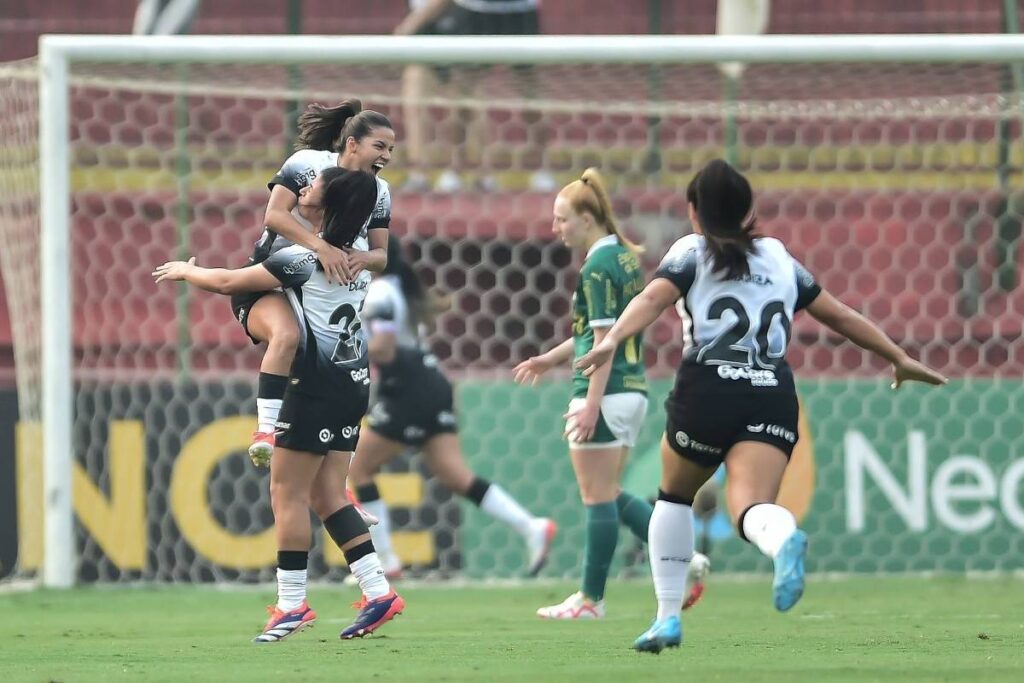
(349, 198)
(588, 195)
(425, 304)
(724, 203)
(327, 128)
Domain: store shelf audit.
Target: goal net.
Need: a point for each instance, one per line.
(896, 181)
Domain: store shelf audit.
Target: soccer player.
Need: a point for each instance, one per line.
(607, 409)
(414, 408)
(343, 136)
(326, 399)
(734, 399)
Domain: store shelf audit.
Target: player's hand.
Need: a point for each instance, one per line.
(581, 422)
(602, 353)
(173, 270)
(531, 369)
(336, 264)
(910, 370)
(358, 260)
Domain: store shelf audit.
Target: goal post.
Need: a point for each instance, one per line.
(477, 354)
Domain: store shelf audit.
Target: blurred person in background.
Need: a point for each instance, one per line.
(465, 18)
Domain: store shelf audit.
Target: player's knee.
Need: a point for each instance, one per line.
(284, 340)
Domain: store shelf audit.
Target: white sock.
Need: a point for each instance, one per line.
(500, 505)
(670, 547)
(370, 574)
(291, 588)
(380, 533)
(768, 526)
(267, 410)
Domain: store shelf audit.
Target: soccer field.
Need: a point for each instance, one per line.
(872, 629)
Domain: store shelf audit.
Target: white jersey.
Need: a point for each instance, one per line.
(332, 346)
(386, 310)
(741, 325)
(299, 171)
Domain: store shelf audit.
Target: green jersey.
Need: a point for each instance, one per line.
(610, 278)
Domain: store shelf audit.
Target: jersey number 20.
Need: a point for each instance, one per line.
(728, 349)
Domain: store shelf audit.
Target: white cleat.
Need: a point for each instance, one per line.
(700, 565)
(576, 606)
(542, 534)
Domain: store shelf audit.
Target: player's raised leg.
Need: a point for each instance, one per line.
(755, 472)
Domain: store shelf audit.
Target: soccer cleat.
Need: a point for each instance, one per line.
(576, 606)
(661, 634)
(283, 624)
(700, 565)
(373, 614)
(370, 519)
(542, 533)
(261, 448)
(788, 585)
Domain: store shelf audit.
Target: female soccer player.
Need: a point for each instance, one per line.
(326, 398)
(734, 398)
(414, 407)
(608, 408)
(343, 136)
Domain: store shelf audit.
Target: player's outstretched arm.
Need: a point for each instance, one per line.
(643, 310)
(218, 280)
(839, 317)
(532, 369)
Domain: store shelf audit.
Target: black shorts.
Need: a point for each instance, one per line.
(703, 425)
(459, 21)
(241, 304)
(416, 411)
(317, 424)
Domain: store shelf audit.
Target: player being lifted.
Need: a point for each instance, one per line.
(325, 401)
(343, 136)
(414, 408)
(734, 399)
(607, 409)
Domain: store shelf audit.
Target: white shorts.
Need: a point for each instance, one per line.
(622, 416)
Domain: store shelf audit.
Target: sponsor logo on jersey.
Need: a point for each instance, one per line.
(446, 418)
(358, 286)
(684, 441)
(297, 265)
(361, 375)
(349, 432)
(326, 436)
(757, 378)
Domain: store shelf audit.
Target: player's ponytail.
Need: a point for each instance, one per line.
(589, 195)
(425, 304)
(322, 128)
(724, 203)
(349, 198)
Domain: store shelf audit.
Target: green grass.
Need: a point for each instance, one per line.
(906, 629)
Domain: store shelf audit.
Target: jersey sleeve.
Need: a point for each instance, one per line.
(291, 266)
(600, 292)
(807, 288)
(680, 264)
(381, 216)
(294, 174)
(379, 314)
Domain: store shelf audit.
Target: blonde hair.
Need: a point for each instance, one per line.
(588, 195)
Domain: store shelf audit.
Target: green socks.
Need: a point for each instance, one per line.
(635, 513)
(602, 537)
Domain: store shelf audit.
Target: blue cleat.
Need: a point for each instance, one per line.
(788, 585)
(373, 614)
(661, 634)
(284, 624)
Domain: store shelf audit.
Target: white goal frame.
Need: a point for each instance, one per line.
(58, 52)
